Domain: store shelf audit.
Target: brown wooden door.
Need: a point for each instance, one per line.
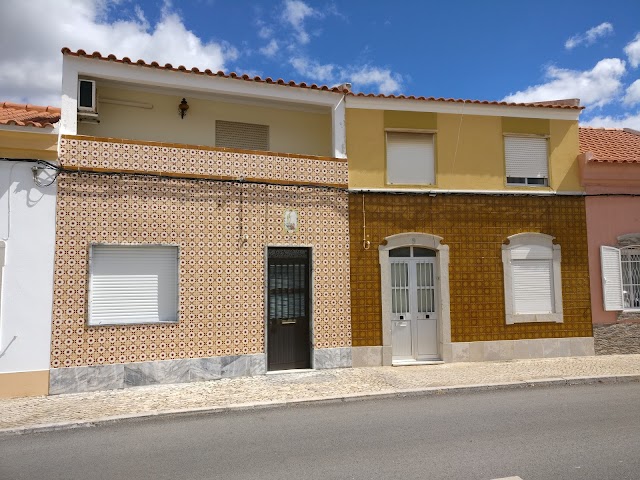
(288, 340)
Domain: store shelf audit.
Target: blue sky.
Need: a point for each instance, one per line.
(494, 50)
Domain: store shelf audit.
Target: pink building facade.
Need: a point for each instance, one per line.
(610, 173)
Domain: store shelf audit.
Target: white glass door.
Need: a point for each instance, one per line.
(414, 323)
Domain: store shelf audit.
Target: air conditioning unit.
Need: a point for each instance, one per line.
(87, 96)
(87, 104)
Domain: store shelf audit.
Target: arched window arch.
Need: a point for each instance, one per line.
(532, 279)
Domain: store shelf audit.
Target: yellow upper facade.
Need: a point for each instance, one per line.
(468, 143)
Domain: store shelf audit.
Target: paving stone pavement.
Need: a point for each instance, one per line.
(33, 412)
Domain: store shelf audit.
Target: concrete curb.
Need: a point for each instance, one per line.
(383, 394)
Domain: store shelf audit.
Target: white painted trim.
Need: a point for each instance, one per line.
(409, 105)
(417, 239)
(434, 192)
(339, 130)
(543, 240)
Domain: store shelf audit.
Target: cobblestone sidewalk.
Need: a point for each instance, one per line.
(33, 412)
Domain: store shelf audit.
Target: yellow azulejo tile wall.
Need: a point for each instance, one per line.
(469, 149)
(221, 275)
(474, 227)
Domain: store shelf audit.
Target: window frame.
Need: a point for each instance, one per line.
(90, 287)
(527, 181)
(539, 242)
(613, 281)
(410, 131)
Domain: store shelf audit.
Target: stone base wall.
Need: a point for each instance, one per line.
(617, 338)
(499, 350)
(517, 349)
(136, 374)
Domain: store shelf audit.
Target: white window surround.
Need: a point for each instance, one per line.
(526, 160)
(133, 284)
(415, 239)
(410, 157)
(620, 289)
(537, 247)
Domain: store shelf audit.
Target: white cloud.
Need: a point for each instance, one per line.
(381, 79)
(632, 95)
(270, 49)
(265, 32)
(295, 13)
(632, 49)
(30, 70)
(315, 70)
(627, 120)
(590, 36)
(595, 87)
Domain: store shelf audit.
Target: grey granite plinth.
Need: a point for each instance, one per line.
(332, 358)
(111, 377)
(153, 373)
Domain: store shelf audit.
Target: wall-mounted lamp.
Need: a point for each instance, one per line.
(183, 107)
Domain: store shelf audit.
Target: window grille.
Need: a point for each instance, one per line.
(630, 263)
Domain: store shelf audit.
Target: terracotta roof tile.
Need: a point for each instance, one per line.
(28, 115)
(566, 104)
(344, 88)
(610, 144)
(194, 70)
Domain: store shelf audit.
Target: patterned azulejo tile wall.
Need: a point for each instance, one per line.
(221, 276)
(474, 227)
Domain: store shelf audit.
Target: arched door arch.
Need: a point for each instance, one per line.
(416, 323)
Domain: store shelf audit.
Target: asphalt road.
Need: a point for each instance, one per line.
(577, 432)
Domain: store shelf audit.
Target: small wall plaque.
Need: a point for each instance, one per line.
(290, 221)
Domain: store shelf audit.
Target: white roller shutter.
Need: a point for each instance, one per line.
(410, 158)
(532, 286)
(133, 284)
(611, 278)
(526, 157)
(246, 136)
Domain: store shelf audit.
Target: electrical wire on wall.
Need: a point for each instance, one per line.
(366, 244)
(497, 193)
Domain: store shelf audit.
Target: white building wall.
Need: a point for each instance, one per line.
(27, 228)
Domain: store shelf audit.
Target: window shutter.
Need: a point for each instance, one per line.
(611, 278)
(526, 157)
(246, 136)
(133, 284)
(532, 286)
(410, 159)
